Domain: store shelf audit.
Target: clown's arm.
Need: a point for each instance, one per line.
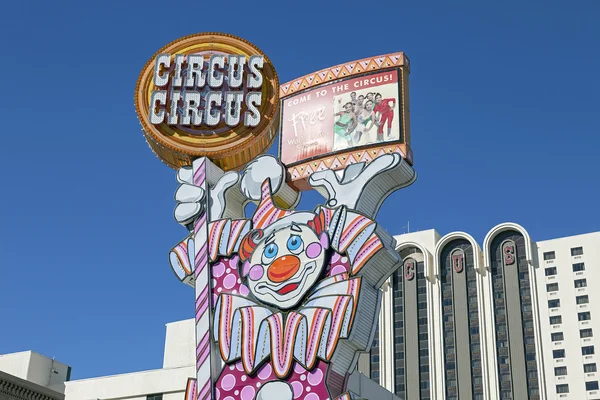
(223, 200)
(354, 197)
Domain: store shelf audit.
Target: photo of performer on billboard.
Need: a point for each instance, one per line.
(362, 115)
(366, 121)
(384, 111)
(344, 125)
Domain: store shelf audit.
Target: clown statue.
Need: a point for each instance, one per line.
(289, 299)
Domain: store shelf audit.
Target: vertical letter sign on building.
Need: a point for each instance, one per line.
(277, 292)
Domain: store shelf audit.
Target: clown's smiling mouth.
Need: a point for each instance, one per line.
(289, 286)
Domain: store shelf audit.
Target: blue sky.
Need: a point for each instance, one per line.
(505, 127)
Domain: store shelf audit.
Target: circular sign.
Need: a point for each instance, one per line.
(208, 95)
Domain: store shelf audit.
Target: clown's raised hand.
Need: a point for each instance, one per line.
(224, 199)
(189, 197)
(364, 187)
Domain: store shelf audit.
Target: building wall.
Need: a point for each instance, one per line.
(15, 388)
(508, 255)
(178, 342)
(457, 255)
(556, 282)
(498, 313)
(16, 364)
(402, 354)
(36, 368)
(411, 328)
(170, 382)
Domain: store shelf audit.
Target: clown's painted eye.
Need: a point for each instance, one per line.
(295, 244)
(269, 253)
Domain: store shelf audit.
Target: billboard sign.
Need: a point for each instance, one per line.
(360, 105)
(208, 95)
(344, 115)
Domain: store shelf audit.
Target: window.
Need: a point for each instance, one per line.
(555, 320)
(552, 287)
(579, 283)
(559, 353)
(587, 350)
(560, 371)
(549, 255)
(558, 336)
(593, 385)
(584, 316)
(583, 299)
(154, 397)
(578, 267)
(550, 271)
(562, 388)
(553, 303)
(591, 367)
(577, 251)
(583, 333)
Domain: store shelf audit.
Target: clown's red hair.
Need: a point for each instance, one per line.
(249, 243)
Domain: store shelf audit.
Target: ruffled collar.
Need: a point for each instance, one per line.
(252, 332)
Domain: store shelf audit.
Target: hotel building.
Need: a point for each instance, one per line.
(568, 276)
(512, 319)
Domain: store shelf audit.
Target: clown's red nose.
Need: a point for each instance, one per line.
(283, 268)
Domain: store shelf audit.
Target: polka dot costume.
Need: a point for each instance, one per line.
(234, 383)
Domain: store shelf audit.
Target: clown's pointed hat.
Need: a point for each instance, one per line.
(267, 212)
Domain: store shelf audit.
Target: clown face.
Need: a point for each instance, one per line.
(285, 264)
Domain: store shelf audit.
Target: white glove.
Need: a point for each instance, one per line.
(362, 187)
(189, 197)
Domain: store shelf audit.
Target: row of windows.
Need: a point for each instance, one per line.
(587, 368)
(583, 333)
(554, 303)
(582, 316)
(551, 271)
(585, 351)
(564, 388)
(551, 255)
